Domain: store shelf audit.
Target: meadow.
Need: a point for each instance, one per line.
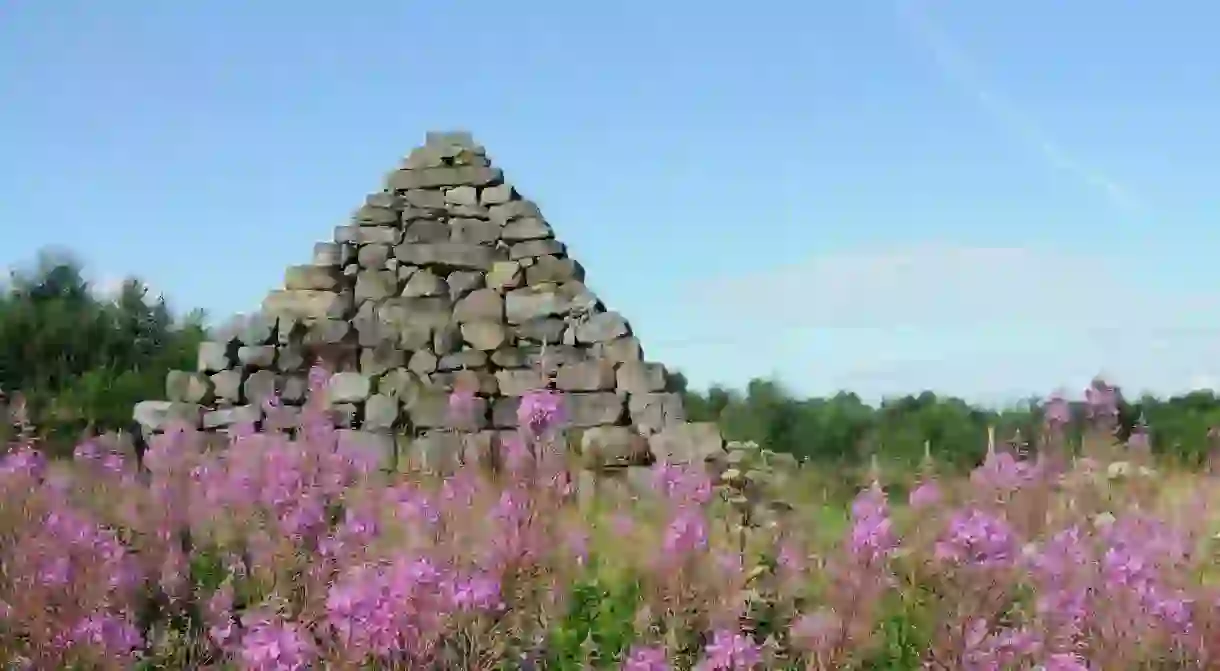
(293, 550)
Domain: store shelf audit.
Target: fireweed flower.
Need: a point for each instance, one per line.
(789, 557)
(872, 538)
(369, 611)
(514, 537)
(108, 636)
(460, 489)
(75, 576)
(730, 651)
(80, 574)
(540, 411)
(318, 378)
(360, 526)
(412, 506)
(646, 658)
(682, 484)
(1061, 573)
(925, 495)
(380, 611)
(24, 462)
(977, 538)
(1139, 552)
(686, 533)
(1057, 413)
(1062, 554)
(1101, 400)
(81, 542)
(476, 591)
(987, 650)
(1005, 472)
(271, 644)
(86, 452)
(1139, 441)
(516, 454)
(175, 573)
(218, 615)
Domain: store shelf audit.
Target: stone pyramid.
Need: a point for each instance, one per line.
(447, 276)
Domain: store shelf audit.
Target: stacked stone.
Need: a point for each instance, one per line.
(446, 278)
(756, 480)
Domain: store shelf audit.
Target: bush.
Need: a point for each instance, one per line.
(298, 549)
(82, 360)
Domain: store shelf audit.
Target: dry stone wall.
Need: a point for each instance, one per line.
(445, 277)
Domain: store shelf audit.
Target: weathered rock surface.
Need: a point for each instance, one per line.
(158, 415)
(348, 387)
(447, 278)
(688, 443)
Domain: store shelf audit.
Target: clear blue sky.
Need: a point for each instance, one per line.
(987, 198)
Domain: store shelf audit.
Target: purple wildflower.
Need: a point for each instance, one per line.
(273, 645)
(925, 495)
(1004, 471)
(24, 461)
(218, 615)
(1140, 441)
(987, 650)
(979, 539)
(108, 636)
(686, 533)
(1101, 399)
(475, 592)
(872, 536)
(516, 454)
(540, 411)
(1057, 412)
(730, 651)
(646, 658)
(682, 484)
(1059, 570)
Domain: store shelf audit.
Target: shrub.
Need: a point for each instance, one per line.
(296, 549)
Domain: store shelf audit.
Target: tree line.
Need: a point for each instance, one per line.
(82, 360)
(845, 429)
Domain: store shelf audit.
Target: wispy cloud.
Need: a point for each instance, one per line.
(989, 323)
(958, 67)
(944, 285)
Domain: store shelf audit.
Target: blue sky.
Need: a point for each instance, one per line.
(991, 199)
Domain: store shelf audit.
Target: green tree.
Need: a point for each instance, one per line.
(844, 430)
(82, 360)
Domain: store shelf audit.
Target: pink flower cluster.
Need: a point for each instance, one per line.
(873, 539)
(290, 548)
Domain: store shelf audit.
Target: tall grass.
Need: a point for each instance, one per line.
(298, 550)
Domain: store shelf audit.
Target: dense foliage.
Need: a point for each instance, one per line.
(81, 359)
(844, 429)
(288, 553)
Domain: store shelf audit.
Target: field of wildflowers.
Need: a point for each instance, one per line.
(295, 551)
